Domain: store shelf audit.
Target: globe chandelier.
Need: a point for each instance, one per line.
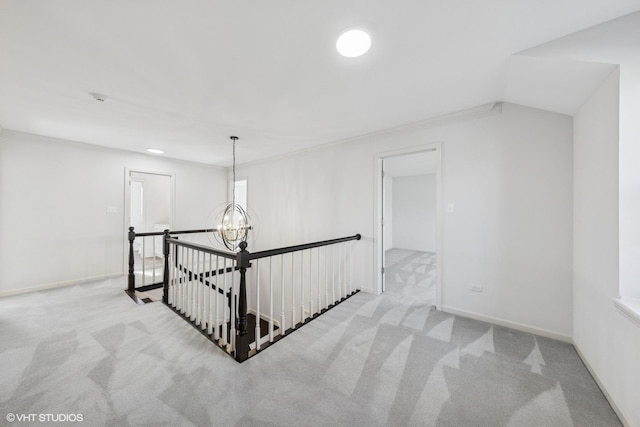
(235, 225)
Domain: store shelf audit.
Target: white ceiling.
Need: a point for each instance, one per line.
(183, 76)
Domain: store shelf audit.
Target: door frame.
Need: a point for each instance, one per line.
(127, 205)
(378, 189)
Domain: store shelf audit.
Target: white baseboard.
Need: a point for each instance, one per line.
(508, 324)
(604, 390)
(264, 317)
(369, 291)
(10, 292)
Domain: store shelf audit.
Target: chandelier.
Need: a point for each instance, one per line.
(234, 226)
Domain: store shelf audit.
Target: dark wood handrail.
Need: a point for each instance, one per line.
(288, 249)
(202, 248)
(161, 233)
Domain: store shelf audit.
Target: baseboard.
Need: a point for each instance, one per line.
(369, 291)
(508, 324)
(264, 317)
(604, 390)
(55, 285)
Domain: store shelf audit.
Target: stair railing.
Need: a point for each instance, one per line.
(312, 279)
(149, 267)
(196, 275)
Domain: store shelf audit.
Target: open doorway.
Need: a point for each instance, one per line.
(149, 209)
(409, 226)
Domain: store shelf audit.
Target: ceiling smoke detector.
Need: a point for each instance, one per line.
(98, 96)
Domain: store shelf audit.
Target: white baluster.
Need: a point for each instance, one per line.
(175, 262)
(203, 286)
(196, 286)
(350, 267)
(180, 278)
(333, 275)
(187, 308)
(340, 284)
(153, 262)
(270, 300)
(216, 331)
(293, 293)
(302, 317)
(205, 295)
(346, 265)
(143, 267)
(196, 283)
(282, 316)
(194, 307)
(341, 270)
(326, 277)
(192, 301)
(258, 334)
(183, 266)
(310, 283)
(170, 280)
(210, 291)
(225, 339)
(319, 293)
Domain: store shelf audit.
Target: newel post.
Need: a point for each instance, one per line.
(165, 279)
(242, 337)
(131, 278)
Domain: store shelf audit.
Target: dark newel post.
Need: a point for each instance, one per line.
(132, 278)
(165, 279)
(242, 337)
(175, 254)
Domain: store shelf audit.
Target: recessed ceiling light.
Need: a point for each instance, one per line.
(353, 43)
(155, 151)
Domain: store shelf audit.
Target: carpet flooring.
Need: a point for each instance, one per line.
(374, 360)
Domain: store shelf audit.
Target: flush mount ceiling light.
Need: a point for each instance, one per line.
(155, 151)
(353, 43)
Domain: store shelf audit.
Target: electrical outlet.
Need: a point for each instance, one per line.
(475, 287)
(111, 209)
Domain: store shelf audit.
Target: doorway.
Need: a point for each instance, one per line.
(409, 226)
(149, 207)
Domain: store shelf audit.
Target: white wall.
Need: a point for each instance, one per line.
(629, 177)
(388, 213)
(510, 176)
(609, 342)
(414, 213)
(53, 200)
(157, 198)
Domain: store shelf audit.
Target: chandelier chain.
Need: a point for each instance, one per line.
(233, 183)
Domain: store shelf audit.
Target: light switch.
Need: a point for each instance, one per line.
(450, 208)
(111, 209)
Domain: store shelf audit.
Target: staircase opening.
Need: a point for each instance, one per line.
(232, 298)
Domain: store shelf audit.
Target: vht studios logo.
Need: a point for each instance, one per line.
(44, 418)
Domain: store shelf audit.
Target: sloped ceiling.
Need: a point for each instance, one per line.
(183, 76)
